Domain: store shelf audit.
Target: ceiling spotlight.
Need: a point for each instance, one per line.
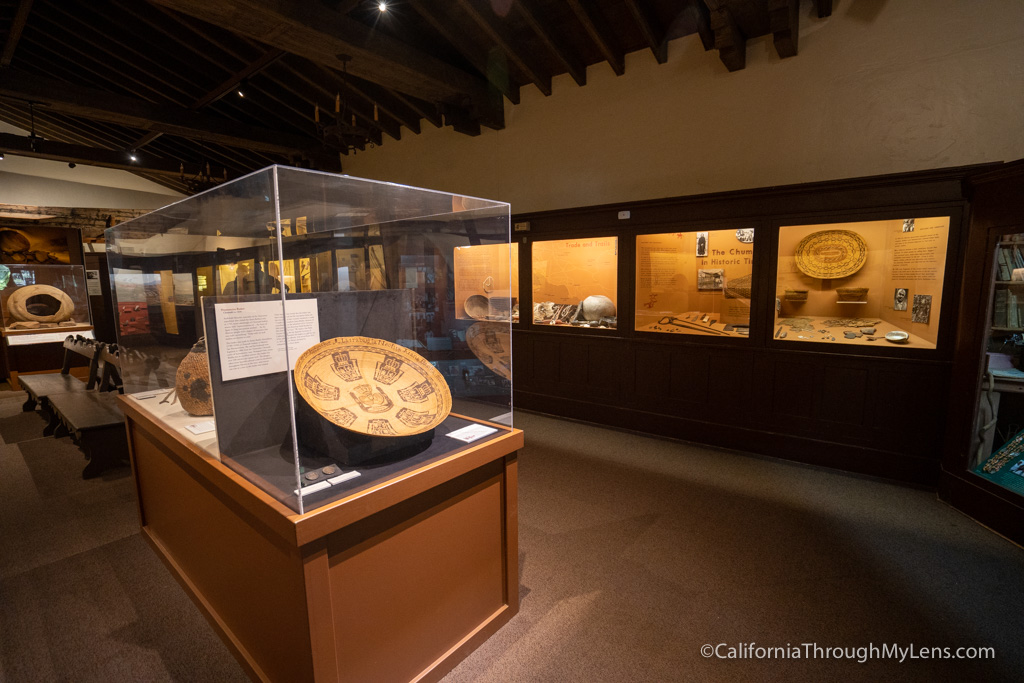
(71, 164)
(1, 156)
(132, 156)
(241, 88)
(382, 6)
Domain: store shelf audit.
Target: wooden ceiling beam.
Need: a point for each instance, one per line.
(437, 15)
(323, 36)
(14, 34)
(784, 22)
(731, 45)
(22, 145)
(655, 37)
(548, 35)
(499, 35)
(385, 102)
(700, 17)
(824, 8)
(596, 27)
(75, 100)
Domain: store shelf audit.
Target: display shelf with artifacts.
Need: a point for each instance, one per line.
(321, 400)
(575, 282)
(696, 283)
(865, 283)
(997, 453)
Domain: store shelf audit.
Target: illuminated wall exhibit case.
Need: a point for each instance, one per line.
(317, 375)
(812, 322)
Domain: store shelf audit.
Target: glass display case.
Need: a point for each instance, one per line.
(575, 282)
(997, 452)
(310, 330)
(695, 282)
(863, 283)
(44, 298)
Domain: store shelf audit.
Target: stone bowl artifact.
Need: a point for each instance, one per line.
(477, 307)
(372, 386)
(492, 344)
(40, 303)
(851, 293)
(897, 337)
(829, 254)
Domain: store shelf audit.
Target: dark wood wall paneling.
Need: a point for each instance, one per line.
(874, 410)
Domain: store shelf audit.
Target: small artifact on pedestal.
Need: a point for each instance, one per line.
(192, 381)
(851, 293)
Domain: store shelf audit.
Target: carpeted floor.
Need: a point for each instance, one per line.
(634, 552)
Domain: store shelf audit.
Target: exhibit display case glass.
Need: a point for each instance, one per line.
(997, 451)
(575, 282)
(310, 330)
(695, 282)
(44, 298)
(865, 283)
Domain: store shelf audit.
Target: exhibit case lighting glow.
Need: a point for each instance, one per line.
(575, 282)
(866, 283)
(311, 330)
(695, 283)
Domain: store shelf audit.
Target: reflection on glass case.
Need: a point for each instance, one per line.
(574, 282)
(481, 293)
(307, 329)
(44, 298)
(695, 282)
(866, 283)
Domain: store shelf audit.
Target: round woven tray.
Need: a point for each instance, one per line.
(372, 386)
(831, 254)
(492, 344)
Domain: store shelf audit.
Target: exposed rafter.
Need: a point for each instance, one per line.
(438, 16)
(654, 36)
(136, 113)
(14, 34)
(824, 8)
(729, 41)
(324, 36)
(784, 19)
(549, 36)
(596, 27)
(496, 33)
(229, 84)
(37, 148)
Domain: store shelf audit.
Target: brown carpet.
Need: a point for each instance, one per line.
(634, 552)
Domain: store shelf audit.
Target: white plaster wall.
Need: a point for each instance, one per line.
(882, 86)
(40, 182)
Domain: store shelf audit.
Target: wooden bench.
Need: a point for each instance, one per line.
(93, 419)
(40, 387)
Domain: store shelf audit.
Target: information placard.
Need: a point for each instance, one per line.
(250, 336)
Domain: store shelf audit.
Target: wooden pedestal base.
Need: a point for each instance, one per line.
(399, 582)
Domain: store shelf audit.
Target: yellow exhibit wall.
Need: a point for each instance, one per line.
(878, 87)
(486, 270)
(568, 271)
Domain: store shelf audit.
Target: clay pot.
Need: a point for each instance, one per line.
(192, 381)
(597, 307)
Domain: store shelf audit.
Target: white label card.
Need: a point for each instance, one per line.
(201, 427)
(250, 336)
(472, 433)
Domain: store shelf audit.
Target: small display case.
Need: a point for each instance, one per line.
(695, 283)
(575, 282)
(864, 283)
(311, 331)
(40, 299)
